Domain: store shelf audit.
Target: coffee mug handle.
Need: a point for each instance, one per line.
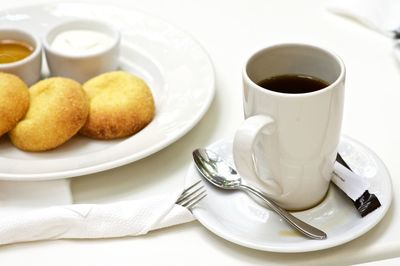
(243, 150)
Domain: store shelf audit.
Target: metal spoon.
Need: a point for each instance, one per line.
(219, 173)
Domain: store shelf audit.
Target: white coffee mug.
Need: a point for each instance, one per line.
(288, 143)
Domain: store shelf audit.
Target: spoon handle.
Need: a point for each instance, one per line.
(296, 223)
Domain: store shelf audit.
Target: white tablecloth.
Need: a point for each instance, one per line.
(230, 31)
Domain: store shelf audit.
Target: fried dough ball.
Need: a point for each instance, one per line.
(58, 109)
(121, 104)
(14, 101)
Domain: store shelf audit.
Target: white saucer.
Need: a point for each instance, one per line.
(235, 217)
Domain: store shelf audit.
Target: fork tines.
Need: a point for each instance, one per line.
(192, 195)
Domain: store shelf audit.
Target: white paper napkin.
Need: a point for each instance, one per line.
(33, 211)
(380, 15)
(19, 197)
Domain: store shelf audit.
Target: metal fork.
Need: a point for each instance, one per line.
(192, 195)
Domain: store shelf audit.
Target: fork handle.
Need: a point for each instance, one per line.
(304, 228)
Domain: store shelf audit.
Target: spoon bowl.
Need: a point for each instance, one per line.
(215, 170)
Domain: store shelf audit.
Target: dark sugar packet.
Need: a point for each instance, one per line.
(355, 187)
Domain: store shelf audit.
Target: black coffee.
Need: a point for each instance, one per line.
(293, 84)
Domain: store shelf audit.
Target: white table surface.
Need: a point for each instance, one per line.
(230, 31)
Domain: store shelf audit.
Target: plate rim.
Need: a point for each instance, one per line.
(142, 154)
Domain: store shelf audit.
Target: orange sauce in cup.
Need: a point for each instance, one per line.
(12, 51)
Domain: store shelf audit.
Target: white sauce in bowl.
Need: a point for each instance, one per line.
(81, 42)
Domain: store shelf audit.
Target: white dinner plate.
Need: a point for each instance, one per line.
(235, 217)
(176, 67)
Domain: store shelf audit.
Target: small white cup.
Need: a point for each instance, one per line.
(82, 67)
(288, 143)
(29, 68)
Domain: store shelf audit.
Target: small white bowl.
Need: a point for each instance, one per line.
(82, 66)
(28, 68)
